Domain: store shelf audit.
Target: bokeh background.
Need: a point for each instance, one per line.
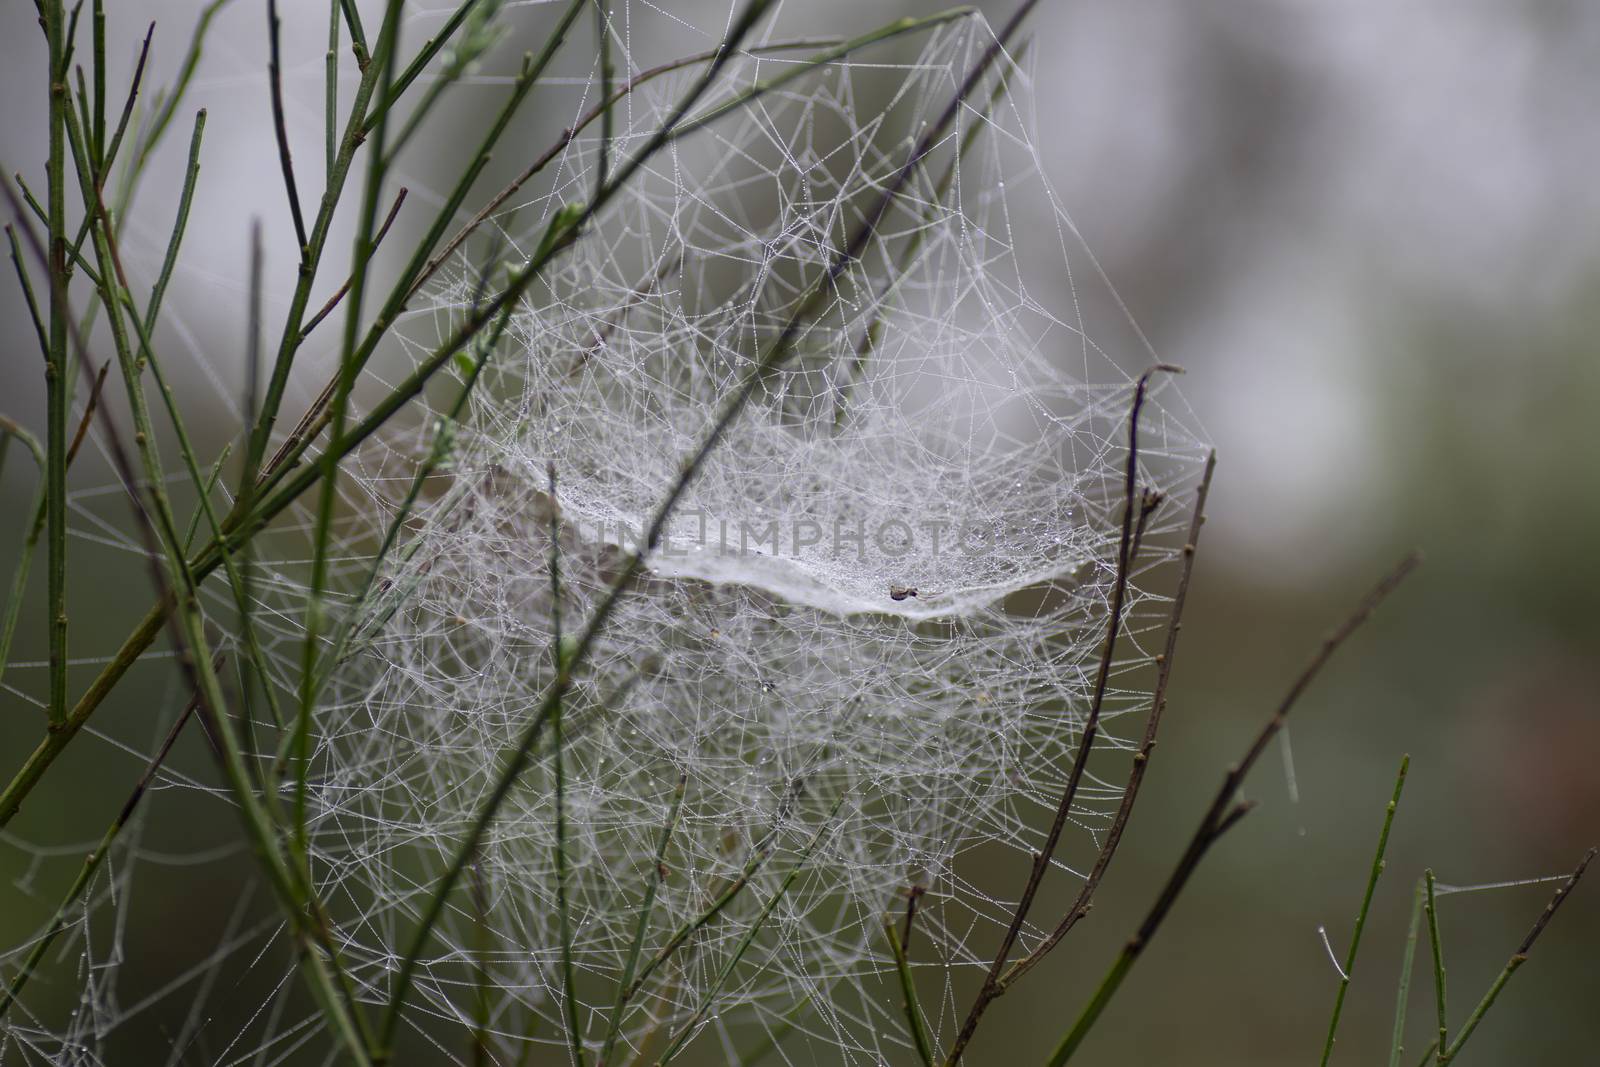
(1371, 233)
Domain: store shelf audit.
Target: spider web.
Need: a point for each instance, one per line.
(865, 645)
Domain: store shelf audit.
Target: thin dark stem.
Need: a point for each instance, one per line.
(377, 241)
(1141, 759)
(57, 392)
(280, 128)
(1091, 727)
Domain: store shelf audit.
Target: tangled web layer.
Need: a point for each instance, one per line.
(862, 650)
(866, 640)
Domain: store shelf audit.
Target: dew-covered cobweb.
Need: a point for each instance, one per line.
(862, 650)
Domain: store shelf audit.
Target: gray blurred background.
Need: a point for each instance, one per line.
(1371, 233)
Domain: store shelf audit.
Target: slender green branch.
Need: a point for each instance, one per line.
(558, 656)
(166, 104)
(1518, 958)
(19, 578)
(330, 93)
(1403, 993)
(191, 175)
(28, 297)
(358, 35)
(98, 122)
(1349, 967)
(316, 242)
(57, 392)
(653, 880)
(602, 33)
(915, 1021)
(419, 63)
(709, 998)
(1431, 908)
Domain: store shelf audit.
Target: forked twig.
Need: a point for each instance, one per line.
(1449, 1052)
(1141, 759)
(1091, 727)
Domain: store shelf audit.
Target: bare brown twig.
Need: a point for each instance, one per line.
(1091, 726)
(1141, 759)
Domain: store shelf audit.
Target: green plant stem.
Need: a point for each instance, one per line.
(388, 46)
(28, 298)
(1361, 916)
(915, 1022)
(330, 93)
(558, 656)
(1403, 994)
(522, 750)
(314, 246)
(1432, 910)
(657, 875)
(19, 577)
(418, 64)
(191, 175)
(715, 989)
(166, 104)
(98, 127)
(1518, 958)
(602, 32)
(57, 392)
